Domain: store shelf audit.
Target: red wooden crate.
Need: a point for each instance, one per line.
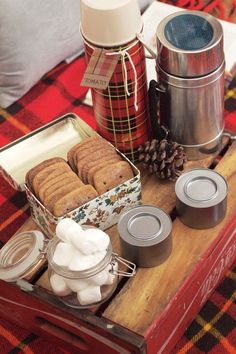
(150, 312)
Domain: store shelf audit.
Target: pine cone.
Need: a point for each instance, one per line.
(164, 158)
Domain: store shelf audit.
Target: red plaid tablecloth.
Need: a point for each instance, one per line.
(223, 9)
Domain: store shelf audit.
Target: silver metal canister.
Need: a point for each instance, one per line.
(145, 235)
(190, 69)
(201, 198)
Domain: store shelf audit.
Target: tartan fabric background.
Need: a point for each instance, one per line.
(223, 9)
(213, 330)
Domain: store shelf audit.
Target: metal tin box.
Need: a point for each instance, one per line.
(145, 235)
(55, 139)
(201, 198)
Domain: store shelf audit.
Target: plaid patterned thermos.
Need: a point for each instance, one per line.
(121, 109)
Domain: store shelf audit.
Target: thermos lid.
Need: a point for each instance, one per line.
(110, 23)
(189, 44)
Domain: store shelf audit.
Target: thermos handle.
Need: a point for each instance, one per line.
(152, 55)
(159, 131)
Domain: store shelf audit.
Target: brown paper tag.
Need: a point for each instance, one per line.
(100, 69)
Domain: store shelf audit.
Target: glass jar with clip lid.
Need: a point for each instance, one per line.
(88, 280)
(23, 256)
(83, 280)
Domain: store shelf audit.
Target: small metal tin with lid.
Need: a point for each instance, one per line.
(201, 198)
(145, 235)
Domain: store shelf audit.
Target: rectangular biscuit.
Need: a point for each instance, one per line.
(56, 183)
(74, 199)
(98, 154)
(93, 166)
(70, 156)
(89, 149)
(34, 170)
(111, 176)
(55, 174)
(84, 145)
(50, 200)
(40, 176)
(107, 155)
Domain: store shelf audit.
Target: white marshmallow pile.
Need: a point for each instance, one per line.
(79, 250)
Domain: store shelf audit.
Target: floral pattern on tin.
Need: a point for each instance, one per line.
(102, 212)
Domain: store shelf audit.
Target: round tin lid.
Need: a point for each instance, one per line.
(190, 44)
(20, 253)
(201, 188)
(144, 225)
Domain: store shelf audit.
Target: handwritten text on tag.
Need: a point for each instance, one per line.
(100, 69)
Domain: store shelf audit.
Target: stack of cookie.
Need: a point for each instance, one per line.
(94, 167)
(97, 162)
(58, 188)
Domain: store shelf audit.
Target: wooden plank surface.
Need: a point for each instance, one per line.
(154, 191)
(144, 297)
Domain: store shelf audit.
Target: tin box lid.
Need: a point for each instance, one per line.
(144, 225)
(201, 188)
(20, 253)
(189, 44)
(52, 139)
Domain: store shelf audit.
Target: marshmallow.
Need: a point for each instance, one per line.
(94, 241)
(89, 295)
(63, 254)
(59, 285)
(77, 284)
(64, 227)
(77, 241)
(97, 257)
(100, 278)
(88, 246)
(80, 261)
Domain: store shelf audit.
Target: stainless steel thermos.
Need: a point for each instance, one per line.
(190, 69)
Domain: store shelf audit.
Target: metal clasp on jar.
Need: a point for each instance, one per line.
(130, 265)
(232, 137)
(43, 250)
